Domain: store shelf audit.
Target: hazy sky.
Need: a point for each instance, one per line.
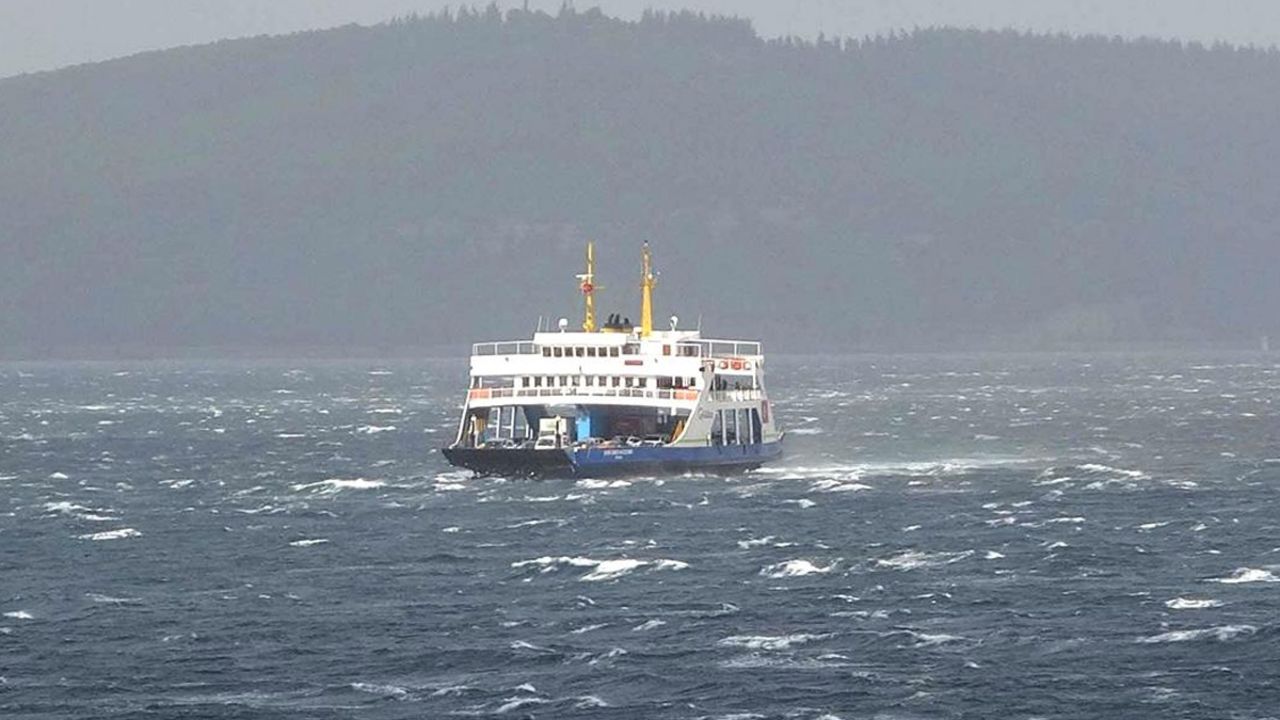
(45, 34)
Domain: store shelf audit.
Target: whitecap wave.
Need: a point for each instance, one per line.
(309, 542)
(795, 568)
(612, 569)
(914, 559)
(942, 467)
(649, 625)
(593, 484)
(449, 690)
(109, 600)
(19, 615)
(120, 534)
(771, 642)
(832, 486)
(924, 640)
(79, 511)
(384, 690)
(334, 485)
(1182, 603)
(526, 645)
(519, 703)
(601, 570)
(1108, 470)
(1222, 633)
(604, 657)
(375, 429)
(1247, 575)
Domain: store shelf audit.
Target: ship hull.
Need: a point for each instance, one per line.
(613, 462)
(511, 463)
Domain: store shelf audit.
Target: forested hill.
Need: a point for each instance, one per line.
(432, 181)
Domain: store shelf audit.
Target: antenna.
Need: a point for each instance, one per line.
(587, 284)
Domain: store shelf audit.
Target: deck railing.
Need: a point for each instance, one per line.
(737, 395)
(684, 348)
(722, 348)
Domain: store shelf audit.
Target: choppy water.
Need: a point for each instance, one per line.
(964, 537)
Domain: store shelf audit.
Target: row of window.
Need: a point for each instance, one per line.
(662, 383)
(614, 351)
(588, 351)
(539, 381)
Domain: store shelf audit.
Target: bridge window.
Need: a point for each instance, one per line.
(537, 381)
(546, 352)
(617, 381)
(580, 352)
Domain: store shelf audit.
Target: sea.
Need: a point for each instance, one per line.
(967, 536)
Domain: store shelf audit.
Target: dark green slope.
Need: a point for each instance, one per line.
(432, 181)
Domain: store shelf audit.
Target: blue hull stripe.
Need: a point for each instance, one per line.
(592, 459)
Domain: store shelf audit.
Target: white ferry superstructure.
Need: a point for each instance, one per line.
(615, 399)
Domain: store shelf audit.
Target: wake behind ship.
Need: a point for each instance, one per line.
(615, 399)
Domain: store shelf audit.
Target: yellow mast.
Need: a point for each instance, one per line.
(588, 288)
(647, 283)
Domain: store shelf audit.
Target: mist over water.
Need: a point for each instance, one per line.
(977, 536)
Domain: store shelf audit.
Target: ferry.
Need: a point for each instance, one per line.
(615, 399)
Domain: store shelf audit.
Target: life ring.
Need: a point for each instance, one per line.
(746, 365)
(737, 364)
(724, 364)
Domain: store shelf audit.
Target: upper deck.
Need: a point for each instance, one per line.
(661, 353)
